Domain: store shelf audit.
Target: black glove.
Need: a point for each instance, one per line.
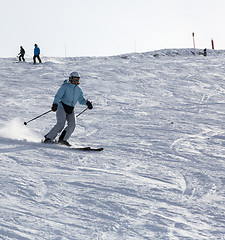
(89, 105)
(54, 107)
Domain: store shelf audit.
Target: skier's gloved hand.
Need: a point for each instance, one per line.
(89, 105)
(54, 107)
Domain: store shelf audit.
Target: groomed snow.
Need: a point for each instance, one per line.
(160, 118)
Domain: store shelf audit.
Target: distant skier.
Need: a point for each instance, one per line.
(21, 54)
(205, 52)
(36, 53)
(65, 100)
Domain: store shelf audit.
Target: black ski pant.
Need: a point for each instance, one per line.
(38, 57)
(21, 56)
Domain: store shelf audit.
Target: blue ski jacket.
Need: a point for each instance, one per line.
(69, 94)
(36, 50)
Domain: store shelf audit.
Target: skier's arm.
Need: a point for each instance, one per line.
(81, 99)
(59, 94)
(85, 102)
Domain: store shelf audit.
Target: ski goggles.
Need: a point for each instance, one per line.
(75, 79)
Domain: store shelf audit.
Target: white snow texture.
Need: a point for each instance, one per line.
(160, 118)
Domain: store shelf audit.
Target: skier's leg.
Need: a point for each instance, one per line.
(71, 124)
(61, 120)
(39, 59)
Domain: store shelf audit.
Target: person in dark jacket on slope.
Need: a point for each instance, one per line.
(36, 53)
(21, 54)
(65, 100)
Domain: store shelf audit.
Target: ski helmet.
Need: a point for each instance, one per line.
(74, 75)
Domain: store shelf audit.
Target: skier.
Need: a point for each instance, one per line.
(21, 54)
(36, 53)
(205, 52)
(65, 99)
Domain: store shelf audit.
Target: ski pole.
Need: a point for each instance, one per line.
(82, 112)
(25, 123)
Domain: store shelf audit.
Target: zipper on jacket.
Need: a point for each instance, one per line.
(73, 95)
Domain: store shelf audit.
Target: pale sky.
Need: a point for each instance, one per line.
(108, 27)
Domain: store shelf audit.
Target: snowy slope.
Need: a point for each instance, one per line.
(160, 118)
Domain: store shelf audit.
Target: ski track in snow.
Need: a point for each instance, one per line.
(159, 117)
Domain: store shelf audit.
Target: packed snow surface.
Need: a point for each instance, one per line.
(160, 117)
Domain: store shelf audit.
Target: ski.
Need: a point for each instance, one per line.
(73, 148)
(53, 145)
(88, 149)
(35, 63)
